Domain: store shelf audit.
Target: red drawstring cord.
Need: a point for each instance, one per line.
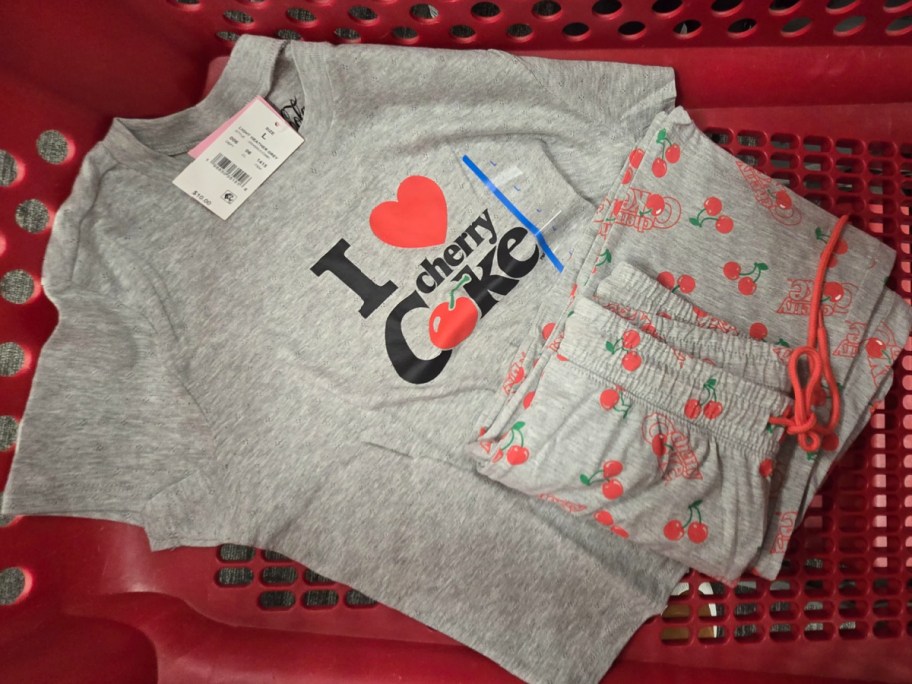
(802, 421)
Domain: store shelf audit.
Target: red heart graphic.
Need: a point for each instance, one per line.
(417, 219)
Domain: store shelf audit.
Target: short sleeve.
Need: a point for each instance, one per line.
(108, 421)
(106, 425)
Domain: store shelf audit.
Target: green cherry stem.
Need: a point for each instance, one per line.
(695, 506)
(604, 258)
(462, 281)
(587, 479)
(612, 346)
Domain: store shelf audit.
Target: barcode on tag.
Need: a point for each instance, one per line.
(230, 169)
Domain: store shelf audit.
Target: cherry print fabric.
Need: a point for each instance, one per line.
(740, 252)
(661, 447)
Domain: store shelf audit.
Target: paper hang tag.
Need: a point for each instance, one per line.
(238, 157)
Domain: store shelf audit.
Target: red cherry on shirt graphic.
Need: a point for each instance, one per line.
(659, 448)
(766, 467)
(612, 489)
(609, 399)
(656, 204)
(631, 339)
(517, 455)
(612, 469)
(527, 400)
(874, 348)
(732, 270)
(758, 331)
(712, 410)
(674, 530)
(724, 224)
(692, 409)
(747, 286)
(636, 158)
(783, 201)
(659, 167)
(833, 291)
(697, 532)
(666, 279)
(631, 361)
(604, 517)
(713, 206)
(673, 153)
(453, 321)
(686, 284)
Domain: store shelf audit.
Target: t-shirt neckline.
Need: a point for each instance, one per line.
(148, 145)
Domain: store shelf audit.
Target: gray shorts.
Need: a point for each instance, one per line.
(652, 427)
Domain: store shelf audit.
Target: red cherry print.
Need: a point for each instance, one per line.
(713, 206)
(747, 286)
(497, 456)
(758, 331)
(573, 291)
(712, 410)
(655, 204)
(631, 339)
(628, 176)
(631, 361)
(658, 445)
(833, 291)
(830, 442)
(673, 153)
(604, 517)
(766, 467)
(560, 357)
(834, 260)
(692, 409)
(674, 530)
(841, 247)
(666, 279)
(686, 284)
(612, 469)
(650, 329)
(612, 489)
(547, 330)
(517, 455)
(659, 167)
(449, 326)
(732, 270)
(699, 313)
(527, 400)
(724, 224)
(874, 348)
(620, 531)
(697, 532)
(616, 209)
(636, 158)
(609, 399)
(783, 201)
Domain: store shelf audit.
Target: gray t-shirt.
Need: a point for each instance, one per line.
(284, 378)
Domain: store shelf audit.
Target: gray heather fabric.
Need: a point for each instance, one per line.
(625, 430)
(681, 216)
(271, 379)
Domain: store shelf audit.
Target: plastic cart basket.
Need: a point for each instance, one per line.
(816, 93)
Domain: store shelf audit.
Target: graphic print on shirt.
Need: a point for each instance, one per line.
(850, 345)
(785, 527)
(459, 293)
(674, 455)
(837, 298)
(643, 210)
(881, 350)
(770, 195)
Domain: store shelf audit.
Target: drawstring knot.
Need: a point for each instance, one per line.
(802, 421)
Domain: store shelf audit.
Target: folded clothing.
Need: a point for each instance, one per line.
(663, 447)
(740, 252)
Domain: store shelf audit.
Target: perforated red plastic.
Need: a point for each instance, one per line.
(817, 94)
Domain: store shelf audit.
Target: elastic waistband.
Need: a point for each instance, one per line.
(719, 402)
(632, 294)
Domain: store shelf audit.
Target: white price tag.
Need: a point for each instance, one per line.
(238, 158)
